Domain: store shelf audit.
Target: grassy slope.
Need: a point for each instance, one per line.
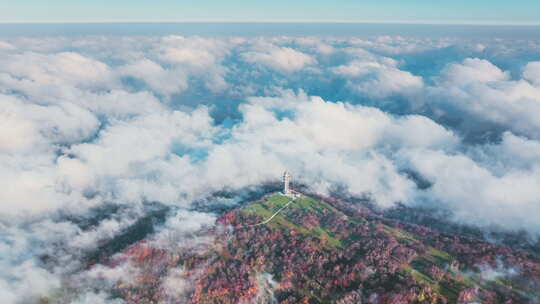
(265, 209)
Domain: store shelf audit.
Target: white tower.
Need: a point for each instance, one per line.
(286, 183)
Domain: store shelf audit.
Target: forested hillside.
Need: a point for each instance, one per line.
(319, 252)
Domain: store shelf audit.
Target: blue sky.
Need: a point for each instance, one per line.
(410, 11)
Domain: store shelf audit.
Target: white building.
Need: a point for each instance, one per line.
(287, 183)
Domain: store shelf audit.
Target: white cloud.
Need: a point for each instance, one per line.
(389, 81)
(476, 91)
(187, 55)
(473, 70)
(16, 133)
(61, 123)
(357, 68)
(33, 282)
(282, 59)
(378, 76)
(96, 298)
(177, 284)
(159, 79)
(6, 46)
(58, 69)
(415, 131)
(194, 51)
(122, 145)
(532, 73)
(476, 195)
(397, 45)
(30, 190)
(316, 44)
(22, 278)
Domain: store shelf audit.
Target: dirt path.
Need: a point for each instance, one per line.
(270, 218)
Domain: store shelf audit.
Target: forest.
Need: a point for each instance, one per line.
(322, 250)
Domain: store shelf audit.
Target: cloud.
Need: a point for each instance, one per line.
(32, 282)
(177, 284)
(317, 45)
(532, 73)
(160, 80)
(193, 51)
(473, 70)
(389, 81)
(377, 76)
(22, 277)
(398, 45)
(61, 68)
(476, 91)
(477, 195)
(512, 153)
(6, 46)
(96, 298)
(265, 288)
(16, 133)
(281, 59)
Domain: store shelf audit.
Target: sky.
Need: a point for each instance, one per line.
(388, 11)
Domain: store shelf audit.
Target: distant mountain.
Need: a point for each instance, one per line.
(317, 251)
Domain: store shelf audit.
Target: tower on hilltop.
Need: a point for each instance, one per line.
(287, 183)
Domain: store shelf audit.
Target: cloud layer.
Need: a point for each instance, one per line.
(92, 122)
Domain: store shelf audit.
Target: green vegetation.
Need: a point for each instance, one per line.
(401, 235)
(265, 209)
(419, 276)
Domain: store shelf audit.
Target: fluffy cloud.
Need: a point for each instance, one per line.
(5, 45)
(532, 72)
(16, 133)
(478, 196)
(282, 59)
(159, 79)
(478, 92)
(32, 282)
(96, 298)
(61, 68)
(377, 76)
(473, 70)
(196, 51)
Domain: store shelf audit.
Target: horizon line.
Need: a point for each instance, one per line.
(275, 22)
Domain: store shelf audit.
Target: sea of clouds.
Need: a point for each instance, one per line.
(93, 121)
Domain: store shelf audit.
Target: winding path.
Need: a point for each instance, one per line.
(273, 215)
